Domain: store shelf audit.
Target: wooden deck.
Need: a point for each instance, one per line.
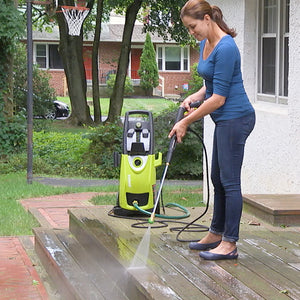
(90, 260)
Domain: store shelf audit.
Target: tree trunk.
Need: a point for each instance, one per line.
(70, 49)
(95, 64)
(116, 99)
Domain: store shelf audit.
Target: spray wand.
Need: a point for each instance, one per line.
(172, 145)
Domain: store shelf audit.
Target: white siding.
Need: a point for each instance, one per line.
(272, 156)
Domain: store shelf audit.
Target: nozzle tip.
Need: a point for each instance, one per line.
(150, 221)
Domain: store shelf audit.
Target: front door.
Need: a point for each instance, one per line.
(135, 62)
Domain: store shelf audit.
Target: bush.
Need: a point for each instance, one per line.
(148, 70)
(12, 134)
(60, 148)
(196, 83)
(91, 154)
(43, 94)
(128, 89)
(105, 140)
(187, 158)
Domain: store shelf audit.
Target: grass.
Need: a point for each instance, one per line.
(155, 105)
(14, 220)
(188, 196)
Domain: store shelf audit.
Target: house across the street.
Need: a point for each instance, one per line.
(174, 62)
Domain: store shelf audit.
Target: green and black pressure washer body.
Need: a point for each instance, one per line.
(137, 165)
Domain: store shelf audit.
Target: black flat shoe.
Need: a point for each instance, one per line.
(215, 256)
(199, 246)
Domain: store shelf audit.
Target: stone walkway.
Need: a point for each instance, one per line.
(19, 278)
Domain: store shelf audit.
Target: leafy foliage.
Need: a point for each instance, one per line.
(105, 140)
(60, 149)
(128, 89)
(187, 157)
(11, 26)
(164, 18)
(91, 154)
(12, 134)
(148, 70)
(43, 94)
(196, 83)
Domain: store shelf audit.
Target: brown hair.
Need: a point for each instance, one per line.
(197, 9)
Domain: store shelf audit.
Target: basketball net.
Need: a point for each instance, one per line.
(75, 16)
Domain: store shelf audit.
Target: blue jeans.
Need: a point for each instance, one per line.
(227, 158)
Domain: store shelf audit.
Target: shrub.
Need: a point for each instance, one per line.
(187, 158)
(196, 83)
(43, 94)
(128, 89)
(105, 140)
(12, 134)
(148, 70)
(60, 148)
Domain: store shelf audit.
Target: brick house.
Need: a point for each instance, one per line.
(174, 62)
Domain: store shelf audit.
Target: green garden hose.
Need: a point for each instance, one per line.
(186, 212)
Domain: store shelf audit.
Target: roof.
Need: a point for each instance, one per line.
(109, 33)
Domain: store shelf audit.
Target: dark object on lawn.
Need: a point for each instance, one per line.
(60, 110)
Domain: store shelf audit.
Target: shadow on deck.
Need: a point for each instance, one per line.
(90, 260)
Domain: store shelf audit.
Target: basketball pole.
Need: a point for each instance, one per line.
(29, 93)
(30, 88)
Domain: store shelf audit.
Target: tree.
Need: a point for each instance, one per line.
(11, 27)
(70, 49)
(148, 70)
(163, 17)
(116, 100)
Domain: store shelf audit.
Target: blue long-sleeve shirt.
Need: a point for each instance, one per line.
(222, 74)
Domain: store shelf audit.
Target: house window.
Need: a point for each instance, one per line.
(172, 58)
(273, 51)
(47, 56)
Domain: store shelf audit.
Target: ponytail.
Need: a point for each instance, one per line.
(217, 16)
(197, 9)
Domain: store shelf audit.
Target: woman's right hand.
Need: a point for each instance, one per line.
(186, 103)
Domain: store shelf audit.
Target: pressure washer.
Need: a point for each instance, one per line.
(137, 165)
(136, 196)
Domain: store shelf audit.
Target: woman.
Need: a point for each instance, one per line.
(225, 99)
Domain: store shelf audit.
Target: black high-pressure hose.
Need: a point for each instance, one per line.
(189, 227)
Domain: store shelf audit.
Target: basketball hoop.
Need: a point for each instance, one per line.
(75, 15)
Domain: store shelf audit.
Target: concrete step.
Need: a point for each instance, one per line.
(74, 273)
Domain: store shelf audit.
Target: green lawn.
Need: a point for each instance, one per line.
(155, 105)
(14, 220)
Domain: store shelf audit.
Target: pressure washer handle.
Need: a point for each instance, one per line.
(179, 116)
